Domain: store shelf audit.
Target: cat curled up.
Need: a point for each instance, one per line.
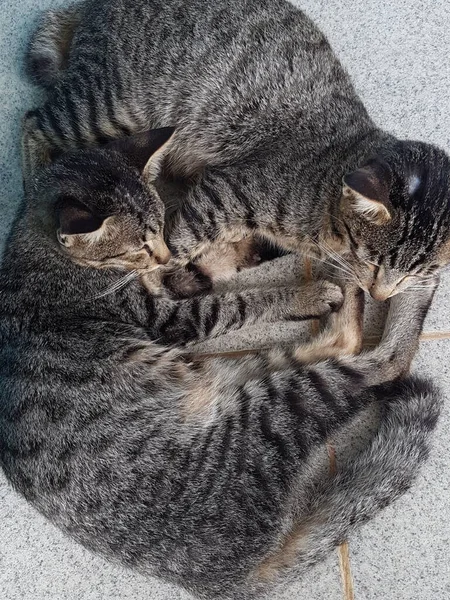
(188, 468)
(266, 118)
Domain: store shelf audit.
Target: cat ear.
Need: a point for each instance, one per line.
(366, 191)
(145, 150)
(75, 219)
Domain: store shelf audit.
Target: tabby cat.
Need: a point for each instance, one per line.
(193, 469)
(267, 116)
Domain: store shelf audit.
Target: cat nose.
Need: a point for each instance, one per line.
(163, 259)
(379, 295)
(380, 292)
(161, 253)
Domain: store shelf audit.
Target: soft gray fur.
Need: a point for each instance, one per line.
(185, 467)
(265, 115)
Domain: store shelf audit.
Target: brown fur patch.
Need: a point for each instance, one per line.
(284, 557)
(223, 259)
(444, 254)
(198, 400)
(344, 334)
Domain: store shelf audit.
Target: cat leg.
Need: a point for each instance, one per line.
(344, 332)
(219, 262)
(211, 315)
(392, 358)
(223, 260)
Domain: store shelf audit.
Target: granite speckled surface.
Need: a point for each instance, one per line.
(397, 52)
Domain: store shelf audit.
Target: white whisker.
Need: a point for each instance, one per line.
(118, 285)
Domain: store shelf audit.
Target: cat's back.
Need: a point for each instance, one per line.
(231, 76)
(199, 40)
(176, 38)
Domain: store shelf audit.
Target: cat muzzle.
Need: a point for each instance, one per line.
(381, 293)
(161, 253)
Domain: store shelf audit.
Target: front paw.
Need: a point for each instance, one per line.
(187, 282)
(319, 298)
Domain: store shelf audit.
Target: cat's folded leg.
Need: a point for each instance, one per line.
(343, 335)
(219, 262)
(392, 358)
(211, 315)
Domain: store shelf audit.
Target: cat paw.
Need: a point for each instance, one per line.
(187, 282)
(319, 298)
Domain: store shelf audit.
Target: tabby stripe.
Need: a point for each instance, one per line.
(307, 422)
(216, 461)
(213, 228)
(44, 129)
(122, 129)
(214, 196)
(276, 393)
(354, 377)
(195, 311)
(93, 119)
(212, 316)
(327, 399)
(133, 452)
(425, 253)
(275, 440)
(242, 309)
(171, 319)
(281, 213)
(225, 443)
(349, 233)
(51, 124)
(192, 220)
(244, 399)
(244, 404)
(203, 455)
(181, 487)
(116, 83)
(245, 209)
(266, 484)
(74, 119)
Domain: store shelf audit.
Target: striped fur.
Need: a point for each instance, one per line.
(50, 45)
(263, 105)
(195, 470)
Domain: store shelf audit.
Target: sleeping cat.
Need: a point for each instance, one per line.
(107, 219)
(267, 117)
(194, 470)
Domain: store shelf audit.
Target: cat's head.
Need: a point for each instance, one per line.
(395, 215)
(100, 205)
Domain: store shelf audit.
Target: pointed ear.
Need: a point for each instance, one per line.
(75, 219)
(145, 150)
(366, 191)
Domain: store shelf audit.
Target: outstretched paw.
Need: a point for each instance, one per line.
(319, 298)
(187, 282)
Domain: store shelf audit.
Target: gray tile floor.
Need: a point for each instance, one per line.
(397, 52)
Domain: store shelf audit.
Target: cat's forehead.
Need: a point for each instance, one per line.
(424, 174)
(421, 195)
(419, 242)
(413, 182)
(106, 188)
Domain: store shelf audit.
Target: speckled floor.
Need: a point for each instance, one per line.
(397, 52)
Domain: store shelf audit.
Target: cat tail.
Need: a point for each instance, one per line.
(382, 472)
(50, 45)
(363, 485)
